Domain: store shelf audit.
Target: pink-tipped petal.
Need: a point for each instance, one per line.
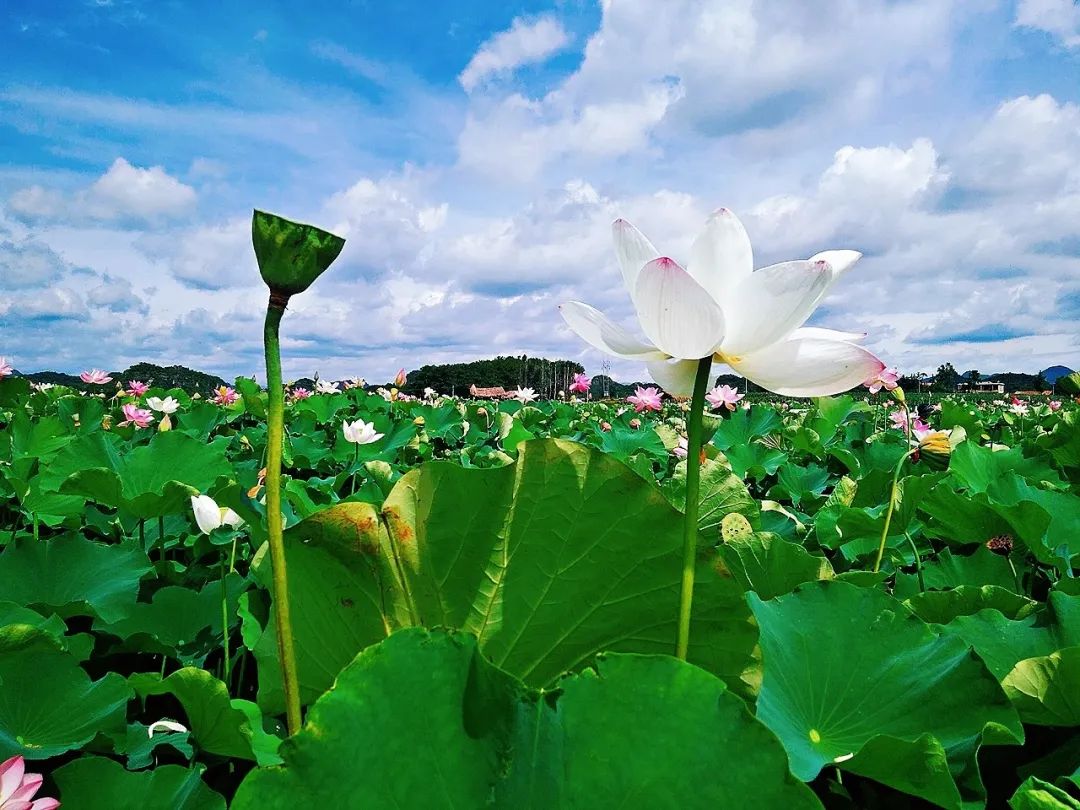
(633, 251)
(44, 804)
(676, 313)
(11, 776)
(773, 302)
(596, 329)
(675, 377)
(721, 257)
(809, 367)
(839, 260)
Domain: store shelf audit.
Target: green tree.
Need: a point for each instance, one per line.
(1040, 383)
(973, 377)
(946, 378)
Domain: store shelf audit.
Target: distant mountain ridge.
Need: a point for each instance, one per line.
(149, 373)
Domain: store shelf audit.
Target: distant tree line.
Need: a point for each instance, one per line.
(158, 376)
(947, 378)
(546, 377)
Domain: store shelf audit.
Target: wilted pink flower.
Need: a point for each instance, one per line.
(1055, 405)
(5, 369)
(605, 426)
(681, 449)
(136, 389)
(723, 396)
(581, 384)
(17, 787)
(645, 399)
(886, 378)
(298, 394)
(95, 377)
(399, 380)
(134, 415)
(225, 395)
(635, 423)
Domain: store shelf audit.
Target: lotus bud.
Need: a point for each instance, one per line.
(605, 426)
(291, 255)
(935, 449)
(399, 379)
(165, 423)
(635, 423)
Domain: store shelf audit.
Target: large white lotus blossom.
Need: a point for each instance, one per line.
(210, 516)
(720, 306)
(524, 395)
(167, 405)
(360, 432)
(324, 387)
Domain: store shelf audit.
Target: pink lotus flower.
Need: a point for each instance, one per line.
(886, 378)
(399, 380)
(605, 426)
(136, 389)
(920, 427)
(645, 399)
(1055, 405)
(134, 415)
(5, 369)
(224, 395)
(723, 396)
(681, 449)
(95, 377)
(899, 419)
(635, 424)
(17, 787)
(581, 384)
(298, 394)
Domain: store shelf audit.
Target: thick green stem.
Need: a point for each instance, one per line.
(693, 505)
(892, 508)
(275, 433)
(224, 621)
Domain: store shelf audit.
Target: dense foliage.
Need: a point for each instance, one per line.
(484, 605)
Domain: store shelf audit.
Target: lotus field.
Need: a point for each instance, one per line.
(837, 595)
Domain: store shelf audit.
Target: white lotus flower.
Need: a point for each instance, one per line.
(167, 405)
(165, 725)
(524, 395)
(210, 516)
(720, 306)
(324, 387)
(360, 432)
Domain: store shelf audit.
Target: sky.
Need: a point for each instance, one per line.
(474, 155)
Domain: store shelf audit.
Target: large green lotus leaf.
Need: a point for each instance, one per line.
(769, 566)
(1046, 689)
(549, 560)
(1063, 440)
(1012, 495)
(139, 747)
(941, 607)
(1001, 642)
(443, 728)
(11, 613)
(965, 519)
(980, 568)
(722, 492)
(154, 479)
(48, 704)
(219, 724)
(977, 467)
(176, 617)
(73, 575)
(1035, 794)
(98, 783)
(846, 666)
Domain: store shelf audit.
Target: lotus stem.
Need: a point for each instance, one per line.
(224, 622)
(275, 433)
(693, 505)
(892, 507)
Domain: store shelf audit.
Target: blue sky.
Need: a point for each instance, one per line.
(475, 153)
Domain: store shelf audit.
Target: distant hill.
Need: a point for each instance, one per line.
(1055, 373)
(154, 375)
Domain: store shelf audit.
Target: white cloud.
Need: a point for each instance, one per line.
(123, 193)
(525, 42)
(1060, 18)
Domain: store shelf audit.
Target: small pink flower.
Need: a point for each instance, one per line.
(136, 389)
(645, 399)
(95, 377)
(920, 427)
(886, 378)
(605, 426)
(723, 396)
(134, 415)
(899, 419)
(225, 395)
(681, 449)
(1055, 405)
(17, 787)
(5, 369)
(298, 394)
(581, 384)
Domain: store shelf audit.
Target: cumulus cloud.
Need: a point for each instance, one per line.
(525, 42)
(28, 264)
(124, 193)
(1060, 18)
